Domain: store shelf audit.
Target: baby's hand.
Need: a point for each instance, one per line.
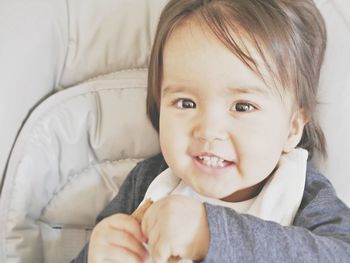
(176, 226)
(117, 238)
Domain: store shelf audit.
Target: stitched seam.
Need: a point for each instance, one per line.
(109, 74)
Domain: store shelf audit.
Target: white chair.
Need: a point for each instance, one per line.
(76, 146)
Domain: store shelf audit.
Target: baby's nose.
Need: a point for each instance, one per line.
(210, 128)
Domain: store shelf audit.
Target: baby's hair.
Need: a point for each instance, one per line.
(289, 36)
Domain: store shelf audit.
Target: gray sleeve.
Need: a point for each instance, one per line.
(130, 194)
(320, 232)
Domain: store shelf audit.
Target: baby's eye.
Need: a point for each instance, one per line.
(243, 107)
(185, 104)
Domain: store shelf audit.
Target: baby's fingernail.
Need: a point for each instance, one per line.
(144, 239)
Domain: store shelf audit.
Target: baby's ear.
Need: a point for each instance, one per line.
(297, 125)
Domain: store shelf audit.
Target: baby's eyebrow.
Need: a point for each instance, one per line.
(249, 90)
(170, 89)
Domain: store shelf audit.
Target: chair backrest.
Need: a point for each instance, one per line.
(69, 161)
(50, 45)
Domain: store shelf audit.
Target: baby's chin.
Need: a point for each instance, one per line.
(210, 191)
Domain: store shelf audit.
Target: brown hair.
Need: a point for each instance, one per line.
(290, 32)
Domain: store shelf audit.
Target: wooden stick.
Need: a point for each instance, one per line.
(138, 215)
(141, 210)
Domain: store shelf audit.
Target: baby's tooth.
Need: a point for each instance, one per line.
(212, 161)
(206, 158)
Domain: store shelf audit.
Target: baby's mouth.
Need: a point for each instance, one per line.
(213, 161)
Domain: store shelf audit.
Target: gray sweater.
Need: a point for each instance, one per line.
(320, 231)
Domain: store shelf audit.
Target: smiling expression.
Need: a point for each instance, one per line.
(222, 129)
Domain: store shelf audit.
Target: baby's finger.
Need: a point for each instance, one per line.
(127, 241)
(161, 252)
(159, 248)
(148, 223)
(121, 255)
(128, 224)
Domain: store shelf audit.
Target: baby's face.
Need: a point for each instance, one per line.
(222, 130)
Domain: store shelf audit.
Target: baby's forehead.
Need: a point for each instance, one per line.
(253, 54)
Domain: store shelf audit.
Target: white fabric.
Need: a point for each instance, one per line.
(108, 37)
